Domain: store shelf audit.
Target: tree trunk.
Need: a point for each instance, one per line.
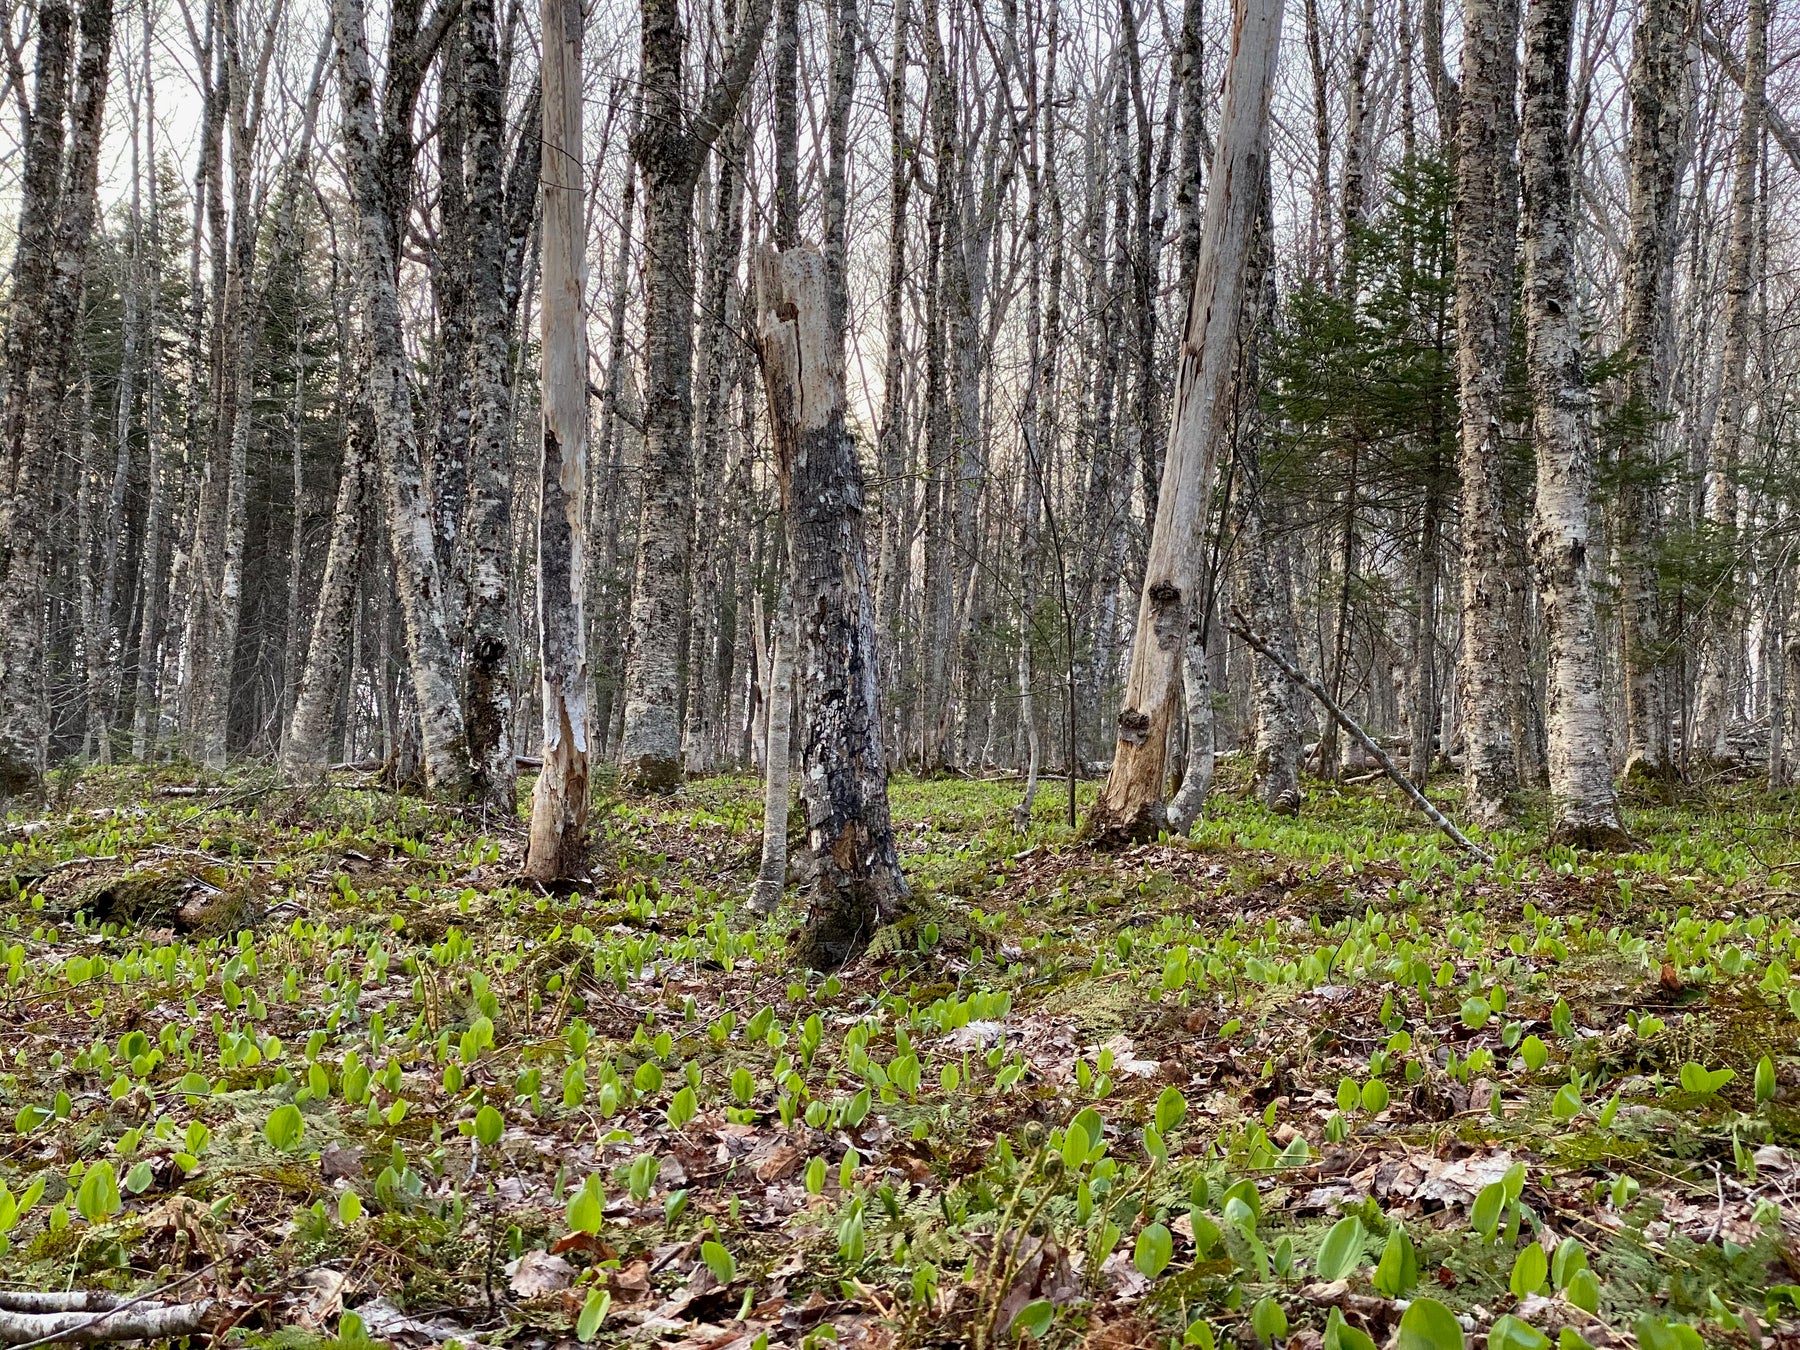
(1723, 649)
(41, 427)
(1584, 810)
(486, 534)
(559, 803)
(671, 146)
(1486, 231)
(1130, 805)
(377, 194)
(771, 877)
(306, 749)
(854, 882)
(1659, 89)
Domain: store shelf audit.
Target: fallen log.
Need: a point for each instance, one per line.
(128, 1321)
(1241, 626)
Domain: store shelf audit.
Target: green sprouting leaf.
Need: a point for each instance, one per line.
(1342, 1249)
(1570, 1257)
(138, 1179)
(1200, 1335)
(683, 1108)
(350, 1208)
(587, 1207)
(1429, 1325)
(1171, 1109)
(1653, 1333)
(97, 1198)
(1155, 1247)
(1765, 1080)
(1087, 1122)
(1609, 1112)
(1535, 1053)
(285, 1127)
(743, 1086)
(1583, 1290)
(1348, 1098)
(719, 1261)
(1703, 1082)
(648, 1078)
(1476, 1012)
(1566, 1105)
(1489, 1206)
(489, 1125)
(1571, 1339)
(593, 1313)
(1340, 1335)
(1509, 1333)
(1268, 1320)
(1035, 1317)
(1530, 1268)
(815, 1176)
(1398, 1270)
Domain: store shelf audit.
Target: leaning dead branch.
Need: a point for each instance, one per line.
(1241, 627)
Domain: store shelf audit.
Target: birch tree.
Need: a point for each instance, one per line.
(377, 157)
(1584, 810)
(671, 147)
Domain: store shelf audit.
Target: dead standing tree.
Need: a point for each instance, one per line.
(1131, 803)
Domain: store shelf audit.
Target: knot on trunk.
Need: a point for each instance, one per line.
(1134, 726)
(1168, 614)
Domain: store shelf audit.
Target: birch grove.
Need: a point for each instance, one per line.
(461, 396)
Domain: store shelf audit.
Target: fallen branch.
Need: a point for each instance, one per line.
(124, 1319)
(145, 1322)
(1241, 626)
(59, 1300)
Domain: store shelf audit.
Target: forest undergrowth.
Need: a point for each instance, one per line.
(322, 1058)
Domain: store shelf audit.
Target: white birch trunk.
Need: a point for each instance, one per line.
(1584, 809)
(411, 537)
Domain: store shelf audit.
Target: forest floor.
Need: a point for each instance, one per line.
(323, 1058)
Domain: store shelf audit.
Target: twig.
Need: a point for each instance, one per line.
(1241, 626)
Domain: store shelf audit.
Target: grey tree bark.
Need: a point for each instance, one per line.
(376, 168)
(1722, 651)
(559, 801)
(1130, 804)
(486, 532)
(53, 253)
(771, 876)
(1584, 809)
(853, 870)
(1486, 243)
(1660, 91)
(671, 145)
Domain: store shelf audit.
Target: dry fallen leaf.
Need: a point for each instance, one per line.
(781, 1163)
(538, 1273)
(318, 1296)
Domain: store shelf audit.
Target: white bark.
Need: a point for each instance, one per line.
(1584, 809)
(411, 535)
(1130, 802)
(771, 877)
(559, 803)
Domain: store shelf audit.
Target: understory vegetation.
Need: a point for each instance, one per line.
(322, 1056)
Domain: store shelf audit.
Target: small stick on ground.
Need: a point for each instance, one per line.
(1241, 626)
